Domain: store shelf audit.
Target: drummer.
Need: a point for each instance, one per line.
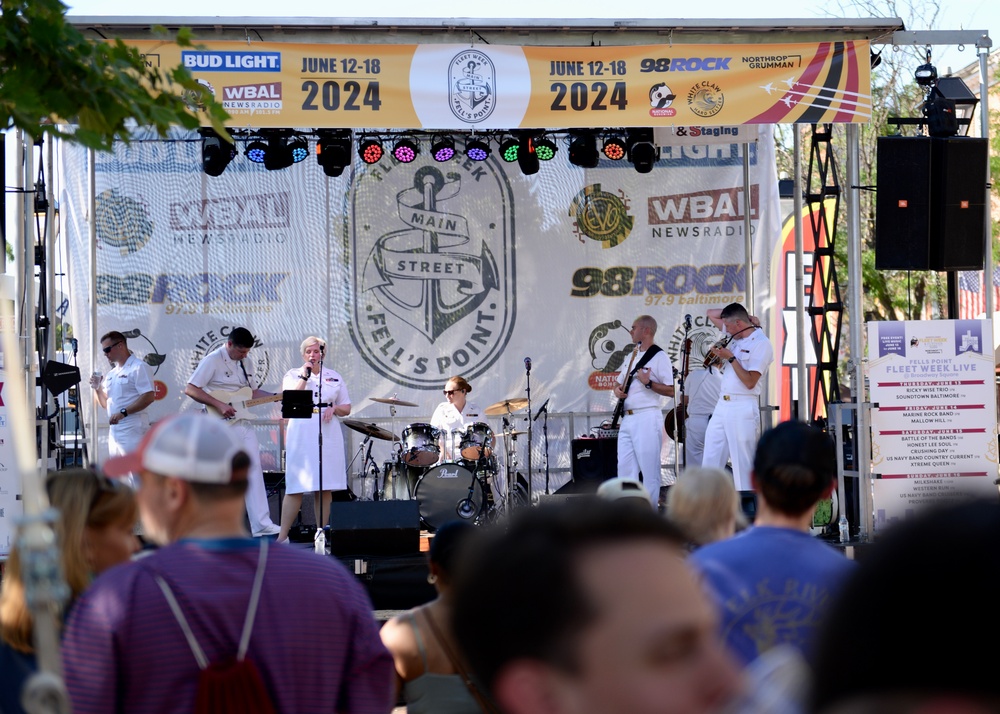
(452, 416)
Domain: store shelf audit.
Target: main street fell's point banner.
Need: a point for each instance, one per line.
(463, 87)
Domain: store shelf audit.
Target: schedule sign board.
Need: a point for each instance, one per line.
(934, 426)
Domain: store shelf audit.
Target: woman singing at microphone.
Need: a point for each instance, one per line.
(302, 437)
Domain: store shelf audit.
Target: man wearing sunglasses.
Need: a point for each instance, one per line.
(125, 392)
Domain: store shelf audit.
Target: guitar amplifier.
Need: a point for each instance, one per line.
(594, 460)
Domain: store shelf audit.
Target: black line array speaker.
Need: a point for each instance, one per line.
(374, 528)
(930, 203)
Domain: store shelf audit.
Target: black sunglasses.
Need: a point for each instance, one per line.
(104, 485)
(449, 392)
(111, 347)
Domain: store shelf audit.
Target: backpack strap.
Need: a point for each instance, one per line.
(175, 608)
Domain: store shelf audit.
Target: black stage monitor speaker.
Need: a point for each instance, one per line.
(374, 528)
(594, 461)
(930, 203)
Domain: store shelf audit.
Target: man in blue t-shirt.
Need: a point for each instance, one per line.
(774, 581)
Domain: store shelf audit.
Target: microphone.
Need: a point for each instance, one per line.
(687, 322)
(527, 364)
(322, 349)
(542, 409)
(309, 371)
(368, 456)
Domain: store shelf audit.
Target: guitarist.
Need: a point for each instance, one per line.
(223, 369)
(640, 439)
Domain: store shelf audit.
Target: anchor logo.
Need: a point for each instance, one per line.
(434, 273)
(433, 279)
(471, 79)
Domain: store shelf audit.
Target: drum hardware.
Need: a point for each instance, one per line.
(368, 468)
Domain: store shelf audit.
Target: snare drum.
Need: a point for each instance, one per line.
(477, 442)
(420, 445)
(443, 494)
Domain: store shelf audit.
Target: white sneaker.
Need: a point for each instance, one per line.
(268, 531)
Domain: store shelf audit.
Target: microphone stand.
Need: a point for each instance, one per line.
(321, 527)
(545, 432)
(527, 374)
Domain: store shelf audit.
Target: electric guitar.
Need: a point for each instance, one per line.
(241, 400)
(620, 406)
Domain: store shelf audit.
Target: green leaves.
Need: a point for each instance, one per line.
(51, 73)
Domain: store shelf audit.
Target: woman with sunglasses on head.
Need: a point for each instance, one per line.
(95, 530)
(453, 415)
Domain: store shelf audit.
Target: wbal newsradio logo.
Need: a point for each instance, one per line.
(433, 278)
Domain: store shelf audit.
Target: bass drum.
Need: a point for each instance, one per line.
(443, 495)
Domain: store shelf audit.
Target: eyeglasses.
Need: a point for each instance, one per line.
(111, 347)
(449, 392)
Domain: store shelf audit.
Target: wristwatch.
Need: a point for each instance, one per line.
(731, 359)
(649, 384)
(124, 412)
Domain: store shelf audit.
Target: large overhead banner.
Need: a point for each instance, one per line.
(486, 87)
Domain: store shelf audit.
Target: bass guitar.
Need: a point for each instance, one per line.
(241, 400)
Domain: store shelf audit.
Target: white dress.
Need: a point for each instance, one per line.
(302, 438)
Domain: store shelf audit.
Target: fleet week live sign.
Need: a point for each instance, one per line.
(456, 87)
(933, 383)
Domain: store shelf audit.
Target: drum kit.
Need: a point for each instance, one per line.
(445, 490)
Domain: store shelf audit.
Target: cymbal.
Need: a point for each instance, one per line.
(370, 429)
(506, 406)
(393, 401)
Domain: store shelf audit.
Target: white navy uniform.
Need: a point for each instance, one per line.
(451, 423)
(124, 385)
(701, 387)
(735, 425)
(640, 437)
(302, 437)
(217, 371)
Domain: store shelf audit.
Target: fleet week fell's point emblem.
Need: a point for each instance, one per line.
(433, 279)
(601, 216)
(471, 79)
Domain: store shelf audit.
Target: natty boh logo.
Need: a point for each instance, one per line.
(610, 345)
(433, 280)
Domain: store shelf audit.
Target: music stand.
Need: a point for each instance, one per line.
(297, 404)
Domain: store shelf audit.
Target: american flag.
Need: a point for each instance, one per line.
(971, 297)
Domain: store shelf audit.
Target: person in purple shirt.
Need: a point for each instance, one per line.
(314, 638)
(774, 581)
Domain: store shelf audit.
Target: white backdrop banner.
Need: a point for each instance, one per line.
(416, 272)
